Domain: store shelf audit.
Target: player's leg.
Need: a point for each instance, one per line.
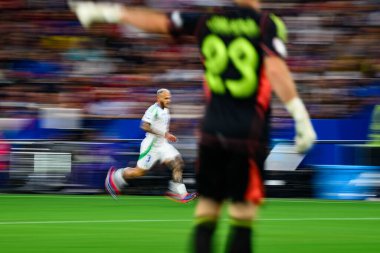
(241, 215)
(207, 214)
(246, 194)
(210, 187)
(117, 178)
(176, 166)
(177, 189)
(110, 185)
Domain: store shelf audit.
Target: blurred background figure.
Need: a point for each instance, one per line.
(154, 148)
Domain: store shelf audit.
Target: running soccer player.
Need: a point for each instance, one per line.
(242, 48)
(155, 147)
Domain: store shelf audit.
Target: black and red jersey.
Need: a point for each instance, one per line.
(233, 42)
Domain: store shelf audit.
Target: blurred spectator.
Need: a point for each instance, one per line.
(333, 54)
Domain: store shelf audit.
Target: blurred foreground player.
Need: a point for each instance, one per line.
(242, 49)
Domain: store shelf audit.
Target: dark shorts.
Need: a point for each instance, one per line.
(226, 174)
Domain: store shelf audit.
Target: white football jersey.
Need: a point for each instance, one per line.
(158, 118)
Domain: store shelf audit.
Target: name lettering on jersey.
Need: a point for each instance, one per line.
(236, 27)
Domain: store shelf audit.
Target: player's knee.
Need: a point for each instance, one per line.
(207, 207)
(176, 164)
(242, 211)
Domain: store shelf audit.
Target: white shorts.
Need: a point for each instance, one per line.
(151, 152)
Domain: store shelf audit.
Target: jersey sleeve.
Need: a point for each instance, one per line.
(274, 36)
(149, 115)
(183, 23)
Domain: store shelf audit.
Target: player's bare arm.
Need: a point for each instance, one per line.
(279, 76)
(147, 127)
(145, 19)
(283, 85)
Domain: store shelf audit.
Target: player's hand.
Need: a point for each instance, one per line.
(305, 135)
(89, 12)
(170, 137)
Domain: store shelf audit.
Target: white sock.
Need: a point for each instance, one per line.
(178, 188)
(118, 178)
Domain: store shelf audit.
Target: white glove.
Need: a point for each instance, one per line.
(90, 12)
(305, 134)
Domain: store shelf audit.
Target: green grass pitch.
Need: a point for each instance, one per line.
(145, 224)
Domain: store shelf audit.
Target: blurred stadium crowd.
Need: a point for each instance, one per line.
(48, 60)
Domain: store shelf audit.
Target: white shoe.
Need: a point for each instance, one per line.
(110, 185)
(181, 198)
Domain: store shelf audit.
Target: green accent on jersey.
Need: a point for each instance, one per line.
(234, 27)
(243, 56)
(282, 31)
(156, 113)
(152, 107)
(205, 220)
(241, 223)
(142, 155)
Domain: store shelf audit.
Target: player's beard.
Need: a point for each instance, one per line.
(164, 105)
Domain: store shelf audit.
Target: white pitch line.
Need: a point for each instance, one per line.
(81, 197)
(319, 201)
(322, 219)
(134, 197)
(180, 220)
(84, 221)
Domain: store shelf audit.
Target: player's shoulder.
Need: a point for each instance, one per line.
(280, 26)
(240, 11)
(152, 108)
